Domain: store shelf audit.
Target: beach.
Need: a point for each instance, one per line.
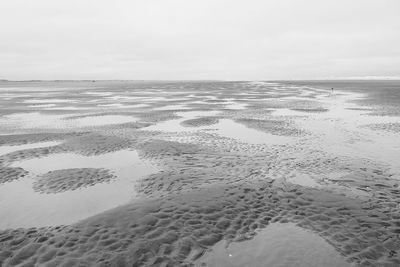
(200, 173)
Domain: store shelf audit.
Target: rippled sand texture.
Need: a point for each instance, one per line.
(199, 173)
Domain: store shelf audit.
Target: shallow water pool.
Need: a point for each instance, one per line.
(8, 149)
(37, 120)
(21, 206)
(278, 245)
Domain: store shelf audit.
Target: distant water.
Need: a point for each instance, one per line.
(384, 93)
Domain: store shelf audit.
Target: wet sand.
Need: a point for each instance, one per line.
(279, 244)
(198, 174)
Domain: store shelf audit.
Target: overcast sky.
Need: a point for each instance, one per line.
(203, 39)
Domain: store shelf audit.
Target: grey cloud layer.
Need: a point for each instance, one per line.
(179, 39)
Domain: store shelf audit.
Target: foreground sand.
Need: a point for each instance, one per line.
(210, 184)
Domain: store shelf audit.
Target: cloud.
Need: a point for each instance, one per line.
(184, 39)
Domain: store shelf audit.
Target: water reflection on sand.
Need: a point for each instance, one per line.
(23, 207)
(277, 245)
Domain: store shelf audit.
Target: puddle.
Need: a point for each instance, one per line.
(20, 206)
(278, 245)
(67, 108)
(205, 103)
(118, 105)
(42, 106)
(175, 124)
(37, 89)
(101, 120)
(225, 128)
(195, 114)
(9, 96)
(172, 107)
(231, 129)
(8, 149)
(30, 120)
(47, 121)
(98, 93)
(33, 101)
(287, 112)
(340, 130)
(237, 106)
(125, 98)
(303, 180)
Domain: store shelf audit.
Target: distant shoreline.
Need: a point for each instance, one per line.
(126, 80)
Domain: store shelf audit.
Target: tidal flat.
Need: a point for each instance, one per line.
(207, 173)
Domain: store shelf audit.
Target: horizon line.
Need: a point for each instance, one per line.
(205, 80)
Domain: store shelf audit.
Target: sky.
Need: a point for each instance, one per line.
(199, 40)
